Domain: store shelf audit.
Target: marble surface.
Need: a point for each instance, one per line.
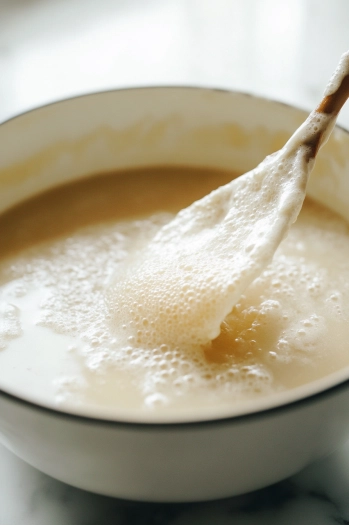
(51, 49)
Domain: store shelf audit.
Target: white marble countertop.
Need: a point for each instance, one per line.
(51, 49)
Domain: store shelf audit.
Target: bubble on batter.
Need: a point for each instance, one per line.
(10, 325)
(155, 400)
(68, 388)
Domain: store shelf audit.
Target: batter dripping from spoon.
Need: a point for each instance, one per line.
(180, 288)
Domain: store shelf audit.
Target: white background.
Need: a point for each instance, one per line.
(285, 49)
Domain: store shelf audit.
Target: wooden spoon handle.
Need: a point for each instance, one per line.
(330, 105)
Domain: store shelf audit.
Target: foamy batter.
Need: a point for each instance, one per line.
(188, 278)
(58, 336)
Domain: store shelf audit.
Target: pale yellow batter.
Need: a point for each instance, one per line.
(59, 339)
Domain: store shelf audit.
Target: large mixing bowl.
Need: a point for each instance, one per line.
(198, 457)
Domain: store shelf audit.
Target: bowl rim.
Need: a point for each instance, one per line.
(109, 420)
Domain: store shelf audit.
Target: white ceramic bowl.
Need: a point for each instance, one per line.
(211, 456)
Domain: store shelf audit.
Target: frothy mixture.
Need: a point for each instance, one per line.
(58, 337)
(181, 287)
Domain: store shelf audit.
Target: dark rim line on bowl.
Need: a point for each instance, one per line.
(179, 87)
(335, 389)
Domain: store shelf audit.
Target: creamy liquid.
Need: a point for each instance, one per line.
(58, 338)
